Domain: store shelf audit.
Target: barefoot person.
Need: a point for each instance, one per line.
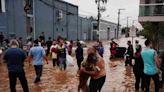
(14, 57)
(96, 70)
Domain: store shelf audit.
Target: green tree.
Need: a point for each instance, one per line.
(125, 31)
(154, 31)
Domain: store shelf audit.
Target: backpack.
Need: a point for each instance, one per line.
(53, 50)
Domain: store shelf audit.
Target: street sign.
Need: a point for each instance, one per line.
(132, 31)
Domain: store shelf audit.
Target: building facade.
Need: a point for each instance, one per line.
(84, 28)
(107, 31)
(54, 18)
(152, 11)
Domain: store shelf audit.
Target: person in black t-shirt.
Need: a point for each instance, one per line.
(79, 54)
(1, 38)
(48, 43)
(42, 37)
(129, 54)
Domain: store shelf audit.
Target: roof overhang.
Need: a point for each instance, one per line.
(151, 19)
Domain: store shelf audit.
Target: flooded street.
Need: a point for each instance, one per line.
(119, 78)
(53, 29)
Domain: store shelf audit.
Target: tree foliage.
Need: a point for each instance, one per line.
(126, 30)
(154, 31)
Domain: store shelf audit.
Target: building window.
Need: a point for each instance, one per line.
(108, 28)
(62, 29)
(28, 7)
(95, 26)
(147, 1)
(59, 15)
(57, 29)
(2, 6)
(108, 33)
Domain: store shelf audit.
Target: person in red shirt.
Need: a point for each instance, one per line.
(113, 46)
(70, 46)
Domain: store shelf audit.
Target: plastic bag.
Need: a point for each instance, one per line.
(70, 61)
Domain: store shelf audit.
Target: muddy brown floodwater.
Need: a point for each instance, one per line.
(119, 78)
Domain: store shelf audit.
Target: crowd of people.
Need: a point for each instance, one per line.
(146, 65)
(145, 62)
(37, 51)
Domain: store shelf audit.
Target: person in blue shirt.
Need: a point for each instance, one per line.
(14, 57)
(151, 63)
(37, 53)
(100, 49)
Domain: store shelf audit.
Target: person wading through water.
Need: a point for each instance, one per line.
(37, 53)
(96, 72)
(14, 57)
(138, 68)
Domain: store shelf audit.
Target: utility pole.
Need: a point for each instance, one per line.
(100, 9)
(133, 31)
(118, 26)
(99, 15)
(127, 28)
(53, 22)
